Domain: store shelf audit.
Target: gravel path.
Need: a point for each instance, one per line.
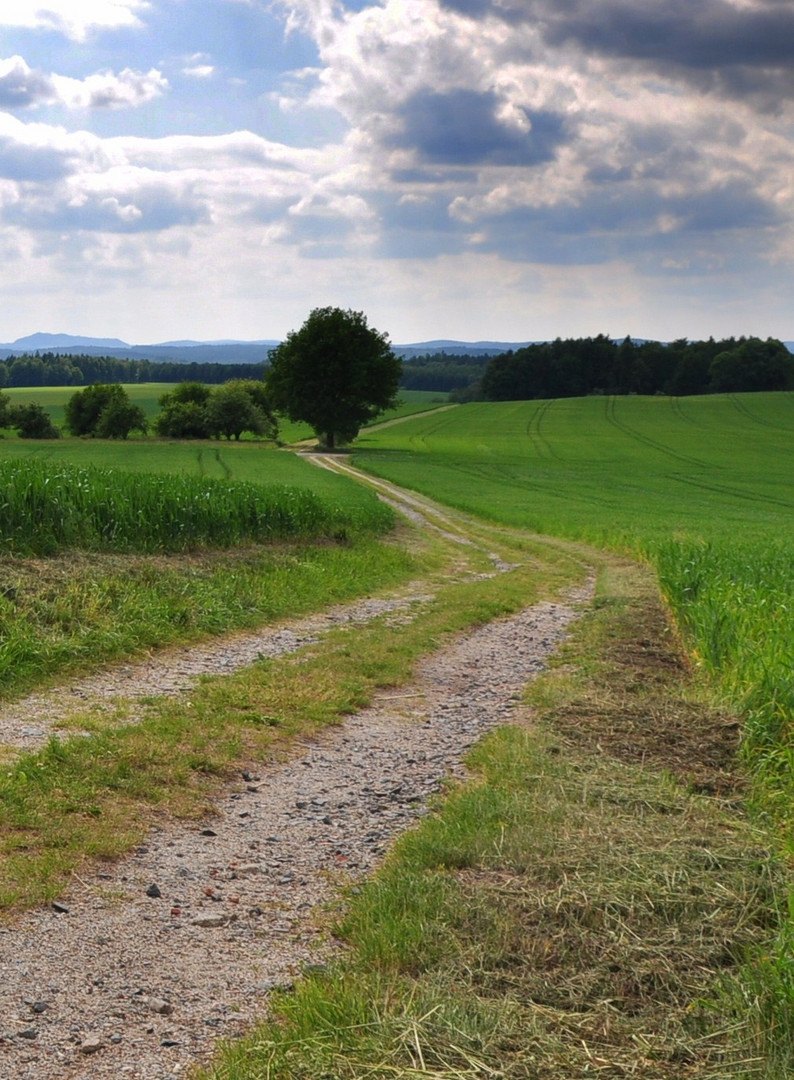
(144, 964)
(27, 724)
(129, 984)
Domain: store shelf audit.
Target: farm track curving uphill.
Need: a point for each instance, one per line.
(154, 958)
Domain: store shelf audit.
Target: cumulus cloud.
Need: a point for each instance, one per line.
(74, 20)
(562, 131)
(22, 87)
(148, 207)
(108, 90)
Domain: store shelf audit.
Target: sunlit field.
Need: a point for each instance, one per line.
(603, 468)
(702, 486)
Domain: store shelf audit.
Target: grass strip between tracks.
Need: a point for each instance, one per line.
(587, 904)
(93, 797)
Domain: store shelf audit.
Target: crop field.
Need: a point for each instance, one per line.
(703, 490)
(610, 469)
(54, 398)
(247, 462)
(184, 539)
(702, 487)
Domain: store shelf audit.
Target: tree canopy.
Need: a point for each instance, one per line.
(336, 373)
(573, 367)
(104, 411)
(194, 411)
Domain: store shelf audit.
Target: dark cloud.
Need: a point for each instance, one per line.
(20, 87)
(461, 128)
(625, 223)
(37, 163)
(707, 34)
(417, 227)
(735, 51)
(434, 176)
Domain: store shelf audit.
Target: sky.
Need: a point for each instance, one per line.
(506, 170)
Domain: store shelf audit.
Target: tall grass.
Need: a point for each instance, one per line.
(48, 508)
(735, 604)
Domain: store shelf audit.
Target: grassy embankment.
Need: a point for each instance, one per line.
(598, 902)
(158, 546)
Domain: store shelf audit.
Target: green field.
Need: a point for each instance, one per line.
(700, 489)
(186, 539)
(54, 398)
(605, 469)
(703, 487)
(245, 461)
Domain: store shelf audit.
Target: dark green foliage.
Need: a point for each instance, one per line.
(55, 369)
(575, 367)
(240, 405)
(335, 373)
(184, 412)
(32, 421)
(195, 411)
(103, 411)
(442, 372)
(753, 365)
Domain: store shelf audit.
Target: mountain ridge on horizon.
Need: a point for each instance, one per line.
(40, 341)
(233, 350)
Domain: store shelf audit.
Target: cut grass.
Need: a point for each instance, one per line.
(567, 912)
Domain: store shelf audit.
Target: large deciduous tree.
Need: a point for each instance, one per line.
(336, 373)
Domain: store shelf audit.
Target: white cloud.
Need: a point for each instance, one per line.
(73, 18)
(23, 87)
(108, 90)
(199, 71)
(198, 66)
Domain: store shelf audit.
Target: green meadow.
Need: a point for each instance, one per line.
(702, 487)
(627, 470)
(654, 877)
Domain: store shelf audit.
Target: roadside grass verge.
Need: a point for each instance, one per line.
(63, 616)
(92, 796)
(571, 910)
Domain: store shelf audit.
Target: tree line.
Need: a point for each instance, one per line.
(61, 369)
(442, 372)
(190, 411)
(575, 367)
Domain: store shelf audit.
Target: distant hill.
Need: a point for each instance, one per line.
(219, 352)
(235, 352)
(46, 342)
